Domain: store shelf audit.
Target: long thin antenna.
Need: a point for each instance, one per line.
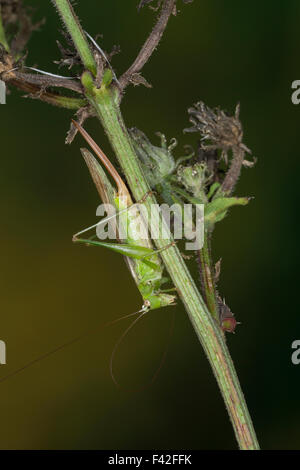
(65, 345)
(43, 72)
(142, 312)
(103, 221)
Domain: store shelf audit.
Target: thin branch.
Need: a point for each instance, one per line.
(234, 171)
(51, 98)
(208, 288)
(82, 115)
(76, 32)
(47, 81)
(151, 43)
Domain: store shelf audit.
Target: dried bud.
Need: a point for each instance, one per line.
(194, 178)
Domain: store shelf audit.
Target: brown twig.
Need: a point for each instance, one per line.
(234, 171)
(151, 43)
(81, 115)
(48, 81)
(51, 98)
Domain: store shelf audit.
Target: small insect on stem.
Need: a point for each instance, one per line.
(227, 318)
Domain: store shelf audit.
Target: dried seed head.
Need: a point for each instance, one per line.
(218, 129)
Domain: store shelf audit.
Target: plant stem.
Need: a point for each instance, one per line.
(51, 98)
(234, 171)
(151, 43)
(207, 278)
(71, 21)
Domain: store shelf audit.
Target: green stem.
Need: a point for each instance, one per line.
(207, 278)
(71, 21)
(105, 102)
(3, 40)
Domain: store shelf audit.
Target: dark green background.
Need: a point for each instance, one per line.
(51, 291)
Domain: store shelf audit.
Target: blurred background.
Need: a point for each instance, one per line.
(52, 291)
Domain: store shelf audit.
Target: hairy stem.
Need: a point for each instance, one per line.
(47, 81)
(207, 279)
(234, 171)
(76, 32)
(151, 43)
(51, 98)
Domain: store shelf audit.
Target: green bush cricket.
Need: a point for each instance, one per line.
(143, 261)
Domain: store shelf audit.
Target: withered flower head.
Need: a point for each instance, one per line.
(217, 128)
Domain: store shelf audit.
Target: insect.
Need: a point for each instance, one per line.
(227, 318)
(142, 260)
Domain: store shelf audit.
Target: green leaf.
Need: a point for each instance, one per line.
(217, 209)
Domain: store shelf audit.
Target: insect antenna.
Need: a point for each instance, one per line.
(101, 222)
(142, 312)
(65, 345)
(43, 72)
